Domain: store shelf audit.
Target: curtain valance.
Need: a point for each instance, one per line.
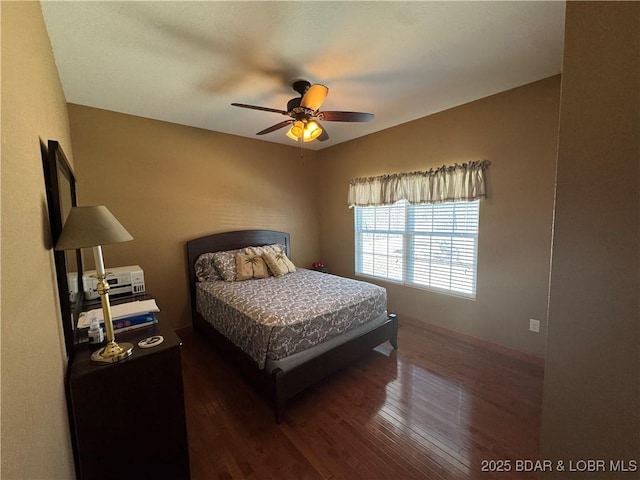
(443, 184)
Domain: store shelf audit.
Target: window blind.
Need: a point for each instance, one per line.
(431, 246)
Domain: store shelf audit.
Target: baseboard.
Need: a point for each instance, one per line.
(529, 358)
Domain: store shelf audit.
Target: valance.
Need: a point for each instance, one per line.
(463, 182)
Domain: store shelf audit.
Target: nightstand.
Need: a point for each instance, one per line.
(128, 418)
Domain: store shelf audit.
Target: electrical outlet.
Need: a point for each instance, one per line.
(534, 325)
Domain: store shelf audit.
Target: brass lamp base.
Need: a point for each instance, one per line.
(112, 352)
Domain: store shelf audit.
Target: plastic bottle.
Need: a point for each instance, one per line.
(96, 335)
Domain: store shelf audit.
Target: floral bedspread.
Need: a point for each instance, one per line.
(276, 317)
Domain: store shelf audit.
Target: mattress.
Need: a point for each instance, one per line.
(277, 317)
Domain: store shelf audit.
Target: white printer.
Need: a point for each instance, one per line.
(121, 280)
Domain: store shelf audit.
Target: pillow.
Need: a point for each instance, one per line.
(278, 263)
(250, 266)
(225, 263)
(275, 248)
(206, 269)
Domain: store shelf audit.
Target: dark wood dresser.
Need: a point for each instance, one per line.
(128, 418)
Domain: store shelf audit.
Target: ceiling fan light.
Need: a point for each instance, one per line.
(291, 135)
(312, 131)
(297, 129)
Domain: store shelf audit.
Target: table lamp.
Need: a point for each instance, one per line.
(94, 227)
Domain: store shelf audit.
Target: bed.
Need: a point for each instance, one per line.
(281, 333)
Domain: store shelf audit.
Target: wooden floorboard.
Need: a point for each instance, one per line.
(433, 409)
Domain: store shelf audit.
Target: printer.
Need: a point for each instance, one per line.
(121, 280)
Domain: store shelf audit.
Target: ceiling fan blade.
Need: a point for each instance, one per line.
(314, 97)
(345, 116)
(254, 107)
(275, 127)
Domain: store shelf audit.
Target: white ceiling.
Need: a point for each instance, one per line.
(185, 62)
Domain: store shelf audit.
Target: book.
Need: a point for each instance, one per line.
(123, 310)
(119, 326)
(136, 321)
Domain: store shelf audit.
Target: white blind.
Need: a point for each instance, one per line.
(432, 246)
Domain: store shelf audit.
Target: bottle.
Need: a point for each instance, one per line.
(96, 335)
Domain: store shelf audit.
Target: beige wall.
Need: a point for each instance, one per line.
(140, 167)
(168, 183)
(515, 130)
(201, 182)
(35, 432)
(591, 407)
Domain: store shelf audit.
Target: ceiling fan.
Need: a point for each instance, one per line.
(305, 115)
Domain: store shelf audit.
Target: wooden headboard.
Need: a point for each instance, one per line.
(219, 242)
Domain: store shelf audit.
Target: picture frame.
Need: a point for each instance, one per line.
(61, 194)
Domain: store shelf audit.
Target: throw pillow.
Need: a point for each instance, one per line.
(274, 248)
(279, 263)
(250, 266)
(205, 268)
(225, 263)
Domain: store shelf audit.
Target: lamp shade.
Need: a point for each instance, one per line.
(311, 131)
(297, 129)
(306, 130)
(89, 227)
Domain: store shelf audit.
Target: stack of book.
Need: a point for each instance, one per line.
(125, 316)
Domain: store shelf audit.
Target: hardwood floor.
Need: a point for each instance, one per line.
(433, 409)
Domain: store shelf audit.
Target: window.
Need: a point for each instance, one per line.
(432, 246)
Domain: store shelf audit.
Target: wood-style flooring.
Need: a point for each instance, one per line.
(436, 408)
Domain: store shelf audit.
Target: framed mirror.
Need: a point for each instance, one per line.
(61, 196)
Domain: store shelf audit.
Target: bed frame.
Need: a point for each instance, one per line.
(280, 385)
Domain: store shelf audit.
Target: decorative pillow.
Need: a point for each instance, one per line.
(278, 263)
(250, 266)
(225, 263)
(275, 248)
(206, 269)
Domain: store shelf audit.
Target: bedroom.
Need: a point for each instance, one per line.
(297, 188)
